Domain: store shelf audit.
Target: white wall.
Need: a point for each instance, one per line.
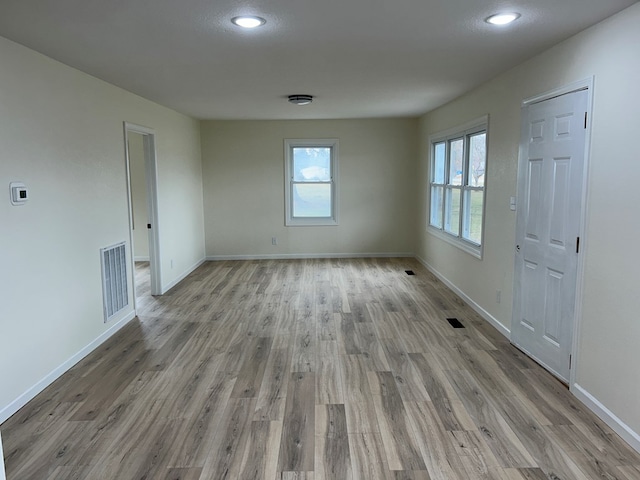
(243, 167)
(608, 356)
(61, 133)
(138, 196)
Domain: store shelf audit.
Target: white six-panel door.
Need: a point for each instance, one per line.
(550, 180)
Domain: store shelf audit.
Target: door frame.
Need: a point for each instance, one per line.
(2, 472)
(588, 85)
(151, 178)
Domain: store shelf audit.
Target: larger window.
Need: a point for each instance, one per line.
(458, 162)
(311, 184)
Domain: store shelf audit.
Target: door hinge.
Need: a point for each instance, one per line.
(577, 244)
(570, 358)
(585, 120)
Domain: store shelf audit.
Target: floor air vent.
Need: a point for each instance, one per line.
(114, 279)
(409, 272)
(455, 323)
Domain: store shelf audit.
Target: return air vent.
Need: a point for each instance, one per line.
(115, 293)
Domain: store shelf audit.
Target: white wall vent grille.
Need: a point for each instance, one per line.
(114, 279)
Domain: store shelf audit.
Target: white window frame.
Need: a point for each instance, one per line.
(463, 131)
(289, 145)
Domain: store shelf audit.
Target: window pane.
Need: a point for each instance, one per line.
(438, 163)
(312, 200)
(456, 159)
(473, 216)
(452, 211)
(311, 164)
(477, 159)
(436, 206)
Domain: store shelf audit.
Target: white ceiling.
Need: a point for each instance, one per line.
(359, 58)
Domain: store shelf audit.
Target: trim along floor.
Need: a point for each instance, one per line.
(342, 369)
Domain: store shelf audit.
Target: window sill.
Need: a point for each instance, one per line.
(310, 222)
(470, 248)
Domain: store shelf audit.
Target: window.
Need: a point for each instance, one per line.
(458, 160)
(311, 184)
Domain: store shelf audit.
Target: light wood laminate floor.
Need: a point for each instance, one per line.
(310, 370)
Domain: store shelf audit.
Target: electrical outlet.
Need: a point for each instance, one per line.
(274, 240)
(498, 296)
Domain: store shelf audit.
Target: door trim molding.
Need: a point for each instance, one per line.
(2, 474)
(151, 177)
(588, 85)
(585, 84)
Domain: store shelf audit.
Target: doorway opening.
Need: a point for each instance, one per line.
(143, 212)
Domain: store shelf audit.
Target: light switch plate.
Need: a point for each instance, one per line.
(19, 193)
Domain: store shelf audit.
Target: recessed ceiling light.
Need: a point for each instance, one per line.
(502, 18)
(248, 21)
(301, 99)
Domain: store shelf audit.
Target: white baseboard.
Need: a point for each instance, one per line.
(302, 256)
(606, 415)
(23, 399)
(141, 259)
(175, 282)
(592, 403)
(468, 300)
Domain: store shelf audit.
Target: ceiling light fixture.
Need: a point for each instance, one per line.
(300, 99)
(502, 18)
(248, 21)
